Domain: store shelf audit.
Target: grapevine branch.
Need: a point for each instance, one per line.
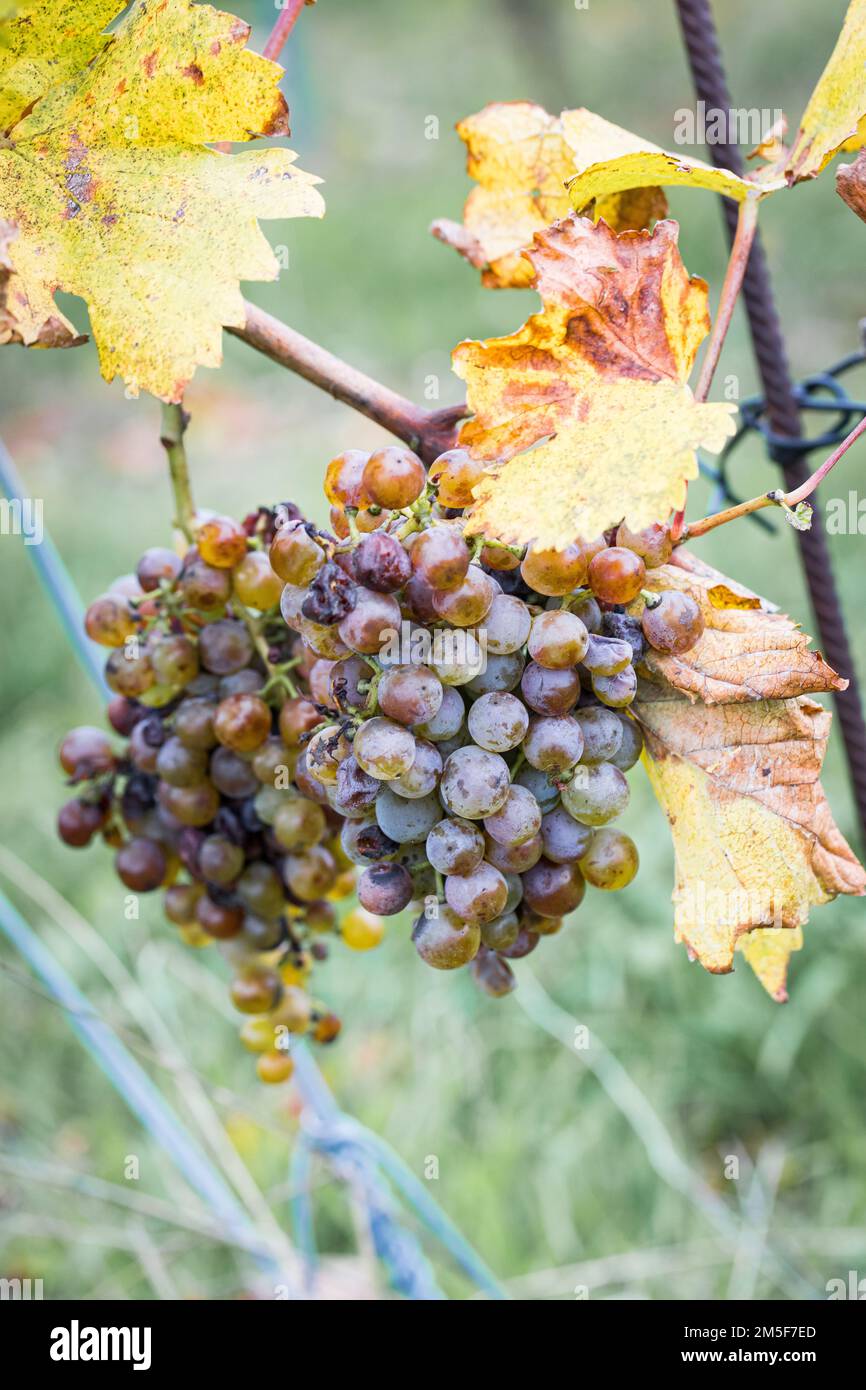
(776, 497)
(174, 423)
(283, 27)
(428, 432)
(747, 225)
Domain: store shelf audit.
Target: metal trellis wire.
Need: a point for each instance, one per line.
(359, 1155)
(781, 404)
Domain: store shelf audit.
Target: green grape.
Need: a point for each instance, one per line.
(478, 896)
(554, 572)
(492, 974)
(219, 860)
(404, 821)
(181, 766)
(242, 722)
(611, 860)
(553, 744)
(344, 485)
(384, 749)
(448, 720)
(374, 619)
(498, 673)
(507, 625)
(255, 583)
(128, 673)
(616, 691)
(295, 557)
(455, 846)
(455, 474)
(195, 806)
(109, 621)
(86, 752)
(631, 746)
(310, 874)
(675, 624)
(225, 646)
(474, 783)
(544, 791)
(606, 656)
(141, 864)
(440, 556)
(272, 761)
(155, 566)
(498, 722)
(617, 575)
(231, 775)
(513, 859)
(221, 542)
(602, 733)
(298, 717)
(423, 776)
(557, 639)
(410, 694)
(501, 933)
(174, 660)
(550, 692)
(193, 723)
(393, 478)
(355, 790)
(203, 587)
(459, 661)
(517, 820)
(443, 940)
(385, 889)
(326, 749)
(218, 920)
(553, 890)
(564, 838)
(470, 602)
(596, 794)
(298, 823)
(653, 543)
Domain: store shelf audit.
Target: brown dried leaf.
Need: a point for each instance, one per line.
(748, 651)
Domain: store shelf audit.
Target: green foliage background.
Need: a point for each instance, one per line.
(537, 1162)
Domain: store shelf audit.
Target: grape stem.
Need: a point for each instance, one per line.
(277, 675)
(518, 764)
(789, 500)
(283, 27)
(747, 225)
(428, 432)
(174, 422)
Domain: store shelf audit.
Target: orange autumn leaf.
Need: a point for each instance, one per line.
(521, 158)
(591, 390)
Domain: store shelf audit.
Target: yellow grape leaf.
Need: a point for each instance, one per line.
(755, 842)
(117, 199)
(521, 157)
(749, 651)
(768, 951)
(14, 304)
(42, 42)
(653, 167)
(832, 120)
(591, 391)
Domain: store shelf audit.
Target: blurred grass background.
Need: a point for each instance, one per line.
(536, 1160)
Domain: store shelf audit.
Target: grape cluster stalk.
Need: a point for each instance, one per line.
(397, 706)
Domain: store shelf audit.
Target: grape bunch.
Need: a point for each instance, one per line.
(439, 716)
(206, 799)
(474, 733)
